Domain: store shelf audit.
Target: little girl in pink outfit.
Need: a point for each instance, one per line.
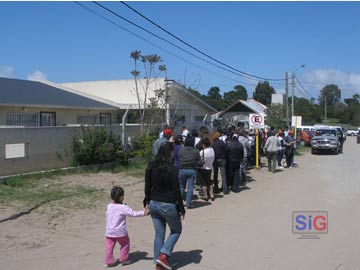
(116, 214)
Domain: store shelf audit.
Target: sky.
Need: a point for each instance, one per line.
(64, 42)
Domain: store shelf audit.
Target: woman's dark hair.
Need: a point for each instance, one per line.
(116, 193)
(189, 141)
(178, 139)
(206, 141)
(195, 133)
(164, 160)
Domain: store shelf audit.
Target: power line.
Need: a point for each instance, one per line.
(199, 51)
(303, 88)
(155, 45)
(171, 43)
(303, 94)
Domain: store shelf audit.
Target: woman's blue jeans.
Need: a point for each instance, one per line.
(165, 213)
(187, 176)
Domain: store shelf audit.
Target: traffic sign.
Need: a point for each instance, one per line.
(256, 121)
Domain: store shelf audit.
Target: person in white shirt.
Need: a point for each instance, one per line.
(116, 214)
(185, 132)
(281, 148)
(208, 155)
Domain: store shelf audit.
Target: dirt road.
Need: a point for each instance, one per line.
(251, 230)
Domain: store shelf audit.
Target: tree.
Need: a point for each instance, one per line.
(275, 115)
(353, 101)
(311, 113)
(150, 73)
(214, 98)
(194, 92)
(263, 92)
(332, 95)
(239, 92)
(352, 113)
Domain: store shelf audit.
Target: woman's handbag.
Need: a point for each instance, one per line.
(201, 162)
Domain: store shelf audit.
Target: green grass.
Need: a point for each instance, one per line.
(135, 168)
(26, 191)
(22, 193)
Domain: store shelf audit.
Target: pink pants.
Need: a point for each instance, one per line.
(110, 242)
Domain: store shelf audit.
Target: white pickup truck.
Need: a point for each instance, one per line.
(352, 132)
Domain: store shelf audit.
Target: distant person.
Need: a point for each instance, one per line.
(195, 134)
(185, 132)
(271, 149)
(234, 157)
(281, 148)
(178, 141)
(116, 232)
(341, 140)
(189, 158)
(219, 163)
(162, 195)
(247, 148)
(167, 134)
(208, 154)
(290, 143)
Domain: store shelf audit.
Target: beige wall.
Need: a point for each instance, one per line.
(187, 105)
(63, 116)
(44, 146)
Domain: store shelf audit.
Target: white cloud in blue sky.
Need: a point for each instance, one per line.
(37, 76)
(319, 78)
(7, 71)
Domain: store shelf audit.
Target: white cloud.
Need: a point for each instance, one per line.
(37, 76)
(7, 71)
(315, 80)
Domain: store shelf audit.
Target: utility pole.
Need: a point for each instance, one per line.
(287, 98)
(292, 93)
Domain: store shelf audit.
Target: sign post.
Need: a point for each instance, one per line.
(296, 122)
(256, 121)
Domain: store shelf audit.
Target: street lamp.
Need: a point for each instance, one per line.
(293, 89)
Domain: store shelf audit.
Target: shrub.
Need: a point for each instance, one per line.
(95, 145)
(142, 146)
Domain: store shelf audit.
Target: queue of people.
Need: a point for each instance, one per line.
(181, 164)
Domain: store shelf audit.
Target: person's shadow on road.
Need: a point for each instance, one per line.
(139, 256)
(183, 258)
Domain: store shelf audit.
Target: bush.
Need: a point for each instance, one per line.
(142, 146)
(95, 145)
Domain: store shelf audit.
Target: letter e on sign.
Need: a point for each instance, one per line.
(256, 121)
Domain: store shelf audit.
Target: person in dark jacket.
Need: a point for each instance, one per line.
(219, 162)
(189, 158)
(235, 155)
(162, 195)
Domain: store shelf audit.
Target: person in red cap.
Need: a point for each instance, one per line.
(167, 134)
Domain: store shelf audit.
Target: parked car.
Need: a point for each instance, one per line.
(352, 132)
(325, 139)
(304, 137)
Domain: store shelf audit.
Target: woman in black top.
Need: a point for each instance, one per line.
(162, 195)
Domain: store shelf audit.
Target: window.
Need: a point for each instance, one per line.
(26, 119)
(87, 119)
(47, 119)
(199, 118)
(105, 118)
